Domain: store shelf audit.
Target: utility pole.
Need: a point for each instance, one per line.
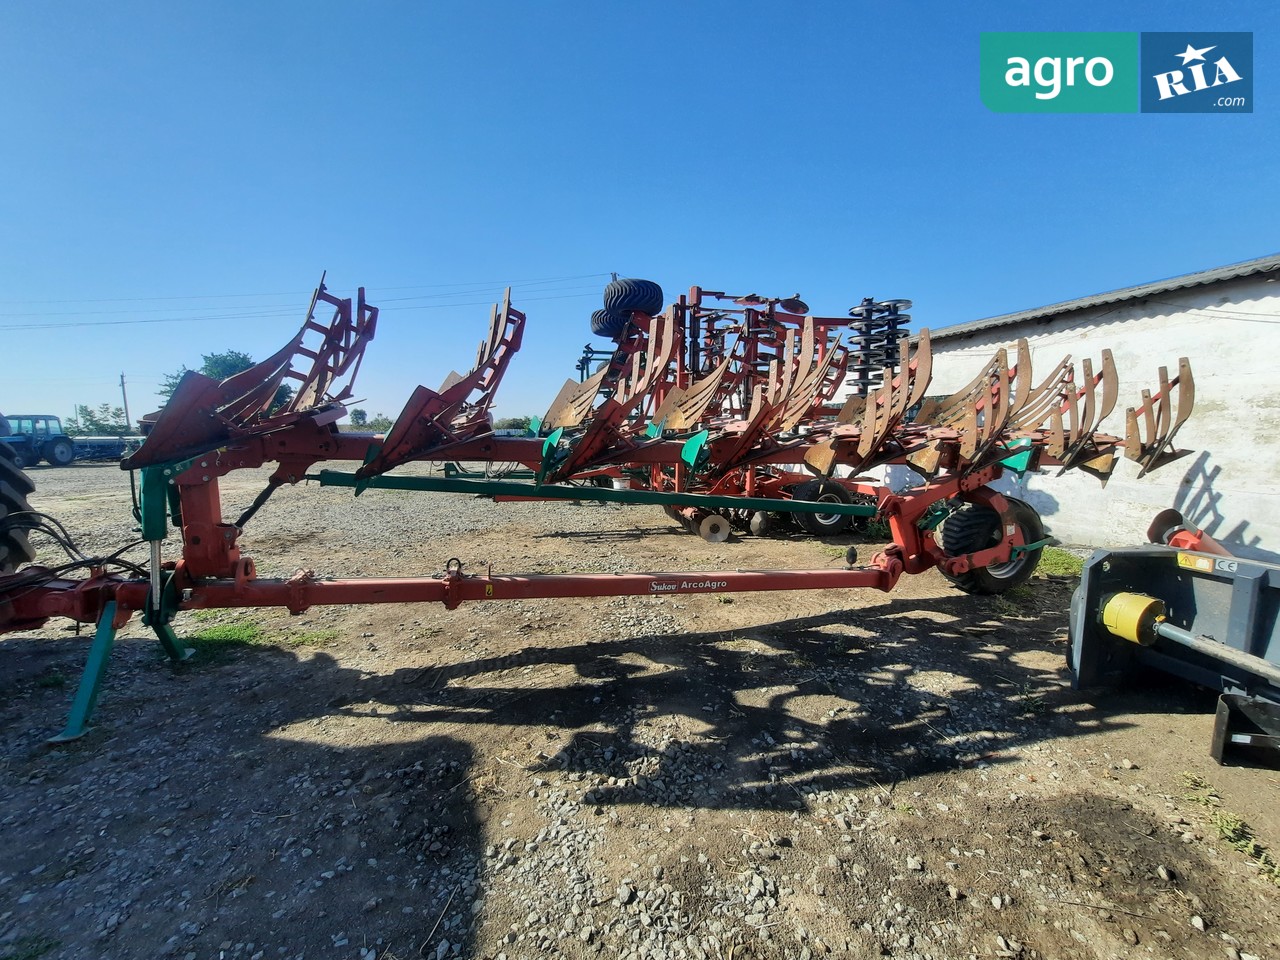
(128, 424)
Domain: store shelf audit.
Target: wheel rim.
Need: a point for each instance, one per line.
(1006, 571)
(828, 519)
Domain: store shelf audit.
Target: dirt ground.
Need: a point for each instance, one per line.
(787, 775)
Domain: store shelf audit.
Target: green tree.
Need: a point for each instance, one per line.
(512, 423)
(102, 421)
(380, 424)
(220, 366)
(359, 417)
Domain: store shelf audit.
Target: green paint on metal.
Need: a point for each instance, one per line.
(693, 453)
(535, 427)
(550, 447)
(95, 669)
(653, 430)
(1019, 455)
(489, 488)
(159, 619)
(153, 502)
(176, 650)
(934, 516)
(1028, 547)
(369, 456)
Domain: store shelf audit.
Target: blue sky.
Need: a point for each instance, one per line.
(168, 161)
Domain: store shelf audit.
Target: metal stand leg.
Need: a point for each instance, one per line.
(91, 680)
(172, 645)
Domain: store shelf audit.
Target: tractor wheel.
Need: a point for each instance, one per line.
(59, 452)
(823, 524)
(608, 323)
(624, 296)
(14, 487)
(974, 527)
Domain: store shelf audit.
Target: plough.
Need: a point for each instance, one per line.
(718, 409)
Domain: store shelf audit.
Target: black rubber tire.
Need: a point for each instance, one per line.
(15, 456)
(823, 524)
(973, 528)
(59, 452)
(625, 295)
(14, 487)
(606, 323)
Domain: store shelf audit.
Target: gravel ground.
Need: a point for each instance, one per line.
(761, 776)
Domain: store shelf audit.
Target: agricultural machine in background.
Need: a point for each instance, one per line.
(35, 437)
(720, 409)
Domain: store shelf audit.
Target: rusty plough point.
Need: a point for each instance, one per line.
(1149, 441)
(204, 414)
(459, 410)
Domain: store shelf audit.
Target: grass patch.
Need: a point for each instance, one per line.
(51, 680)
(878, 529)
(311, 638)
(1232, 829)
(220, 642)
(29, 948)
(1015, 602)
(1055, 562)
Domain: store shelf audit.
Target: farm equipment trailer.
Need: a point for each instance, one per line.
(689, 437)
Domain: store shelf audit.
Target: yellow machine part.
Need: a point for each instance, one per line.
(1133, 616)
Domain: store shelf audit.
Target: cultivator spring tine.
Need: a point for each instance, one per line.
(1151, 447)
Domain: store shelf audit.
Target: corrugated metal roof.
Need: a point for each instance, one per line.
(1217, 275)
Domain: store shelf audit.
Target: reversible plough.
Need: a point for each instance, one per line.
(720, 409)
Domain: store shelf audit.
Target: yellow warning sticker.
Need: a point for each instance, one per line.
(1193, 562)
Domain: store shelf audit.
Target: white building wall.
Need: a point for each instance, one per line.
(1228, 485)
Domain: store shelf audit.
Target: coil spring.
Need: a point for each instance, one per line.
(874, 345)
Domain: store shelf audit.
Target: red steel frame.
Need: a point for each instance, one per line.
(213, 574)
(234, 416)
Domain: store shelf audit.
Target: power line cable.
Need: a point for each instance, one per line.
(303, 293)
(259, 316)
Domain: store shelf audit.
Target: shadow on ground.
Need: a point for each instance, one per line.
(285, 802)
